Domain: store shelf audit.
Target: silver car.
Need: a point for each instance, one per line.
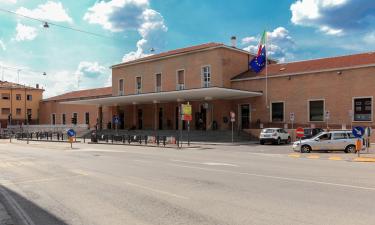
(328, 141)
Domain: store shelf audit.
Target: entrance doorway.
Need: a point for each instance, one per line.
(122, 120)
(201, 118)
(140, 119)
(160, 118)
(245, 116)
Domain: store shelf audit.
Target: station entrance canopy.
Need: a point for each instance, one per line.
(201, 94)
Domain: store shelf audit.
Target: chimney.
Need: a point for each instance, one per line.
(233, 40)
(37, 86)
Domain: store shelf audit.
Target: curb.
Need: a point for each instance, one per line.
(364, 159)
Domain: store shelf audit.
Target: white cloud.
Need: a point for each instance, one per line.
(334, 17)
(91, 74)
(50, 11)
(280, 44)
(2, 45)
(25, 33)
(130, 15)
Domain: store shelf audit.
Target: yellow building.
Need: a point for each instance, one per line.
(17, 101)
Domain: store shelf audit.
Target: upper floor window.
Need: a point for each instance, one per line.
(87, 118)
(158, 82)
(206, 76)
(362, 109)
(138, 85)
(5, 111)
(316, 110)
(121, 87)
(18, 97)
(277, 111)
(5, 96)
(63, 119)
(29, 98)
(180, 80)
(53, 119)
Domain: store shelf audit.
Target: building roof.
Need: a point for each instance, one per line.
(8, 85)
(83, 94)
(181, 51)
(315, 65)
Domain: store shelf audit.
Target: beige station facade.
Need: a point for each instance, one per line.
(215, 79)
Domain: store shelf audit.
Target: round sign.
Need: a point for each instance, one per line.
(358, 132)
(71, 133)
(300, 132)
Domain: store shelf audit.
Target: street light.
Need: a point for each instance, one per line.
(46, 25)
(44, 74)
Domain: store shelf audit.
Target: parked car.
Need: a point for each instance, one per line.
(311, 132)
(328, 141)
(274, 135)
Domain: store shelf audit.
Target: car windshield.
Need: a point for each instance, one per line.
(268, 130)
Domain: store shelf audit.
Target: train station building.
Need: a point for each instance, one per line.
(215, 79)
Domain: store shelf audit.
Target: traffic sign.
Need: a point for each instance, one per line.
(116, 120)
(328, 115)
(368, 132)
(300, 132)
(186, 112)
(232, 116)
(358, 132)
(71, 133)
(292, 116)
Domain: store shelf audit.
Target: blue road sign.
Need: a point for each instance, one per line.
(71, 133)
(358, 132)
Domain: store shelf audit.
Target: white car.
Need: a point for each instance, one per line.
(328, 141)
(274, 135)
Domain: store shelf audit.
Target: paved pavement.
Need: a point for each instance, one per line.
(48, 183)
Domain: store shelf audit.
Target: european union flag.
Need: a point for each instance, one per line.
(259, 61)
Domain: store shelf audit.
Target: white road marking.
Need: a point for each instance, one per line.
(278, 177)
(155, 190)
(206, 163)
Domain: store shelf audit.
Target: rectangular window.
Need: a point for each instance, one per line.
(63, 118)
(18, 97)
(87, 118)
(180, 80)
(18, 111)
(316, 110)
(5, 111)
(29, 111)
(277, 113)
(362, 109)
(158, 82)
(138, 85)
(75, 116)
(339, 136)
(29, 98)
(53, 119)
(121, 87)
(5, 96)
(206, 76)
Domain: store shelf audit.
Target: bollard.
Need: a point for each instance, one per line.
(123, 139)
(140, 139)
(106, 138)
(164, 140)
(157, 140)
(129, 139)
(112, 139)
(146, 139)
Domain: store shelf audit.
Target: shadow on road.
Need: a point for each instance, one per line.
(24, 211)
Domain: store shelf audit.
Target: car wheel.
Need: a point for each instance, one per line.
(350, 149)
(278, 141)
(305, 149)
(261, 142)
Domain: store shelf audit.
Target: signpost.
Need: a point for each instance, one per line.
(71, 133)
(292, 117)
(232, 120)
(358, 132)
(300, 133)
(327, 116)
(368, 132)
(116, 122)
(186, 115)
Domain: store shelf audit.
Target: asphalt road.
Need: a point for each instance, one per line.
(214, 185)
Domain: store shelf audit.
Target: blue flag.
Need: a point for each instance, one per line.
(259, 61)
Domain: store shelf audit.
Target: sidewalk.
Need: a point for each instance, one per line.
(5, 218)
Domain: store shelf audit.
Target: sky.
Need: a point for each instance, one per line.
(123, 30)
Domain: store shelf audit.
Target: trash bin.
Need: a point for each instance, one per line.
(94, 137)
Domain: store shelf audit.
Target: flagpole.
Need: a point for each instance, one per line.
(266, 45)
